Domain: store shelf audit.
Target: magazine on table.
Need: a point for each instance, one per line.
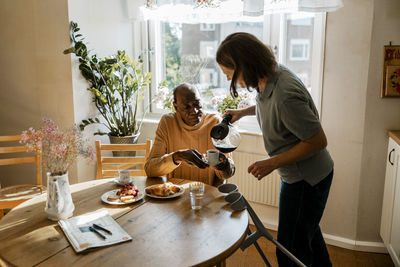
(93, 230)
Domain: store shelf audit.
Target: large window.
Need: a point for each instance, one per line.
(186, 53)
(299, 49)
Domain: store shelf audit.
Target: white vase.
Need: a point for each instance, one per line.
(59, 203)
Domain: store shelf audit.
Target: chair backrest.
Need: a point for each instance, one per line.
(109, 166)
(19, 160)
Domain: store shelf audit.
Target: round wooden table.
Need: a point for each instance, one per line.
(165, 232)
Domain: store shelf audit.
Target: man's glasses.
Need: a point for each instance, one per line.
(189, 107)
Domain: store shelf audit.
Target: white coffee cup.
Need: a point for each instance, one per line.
(124, 177)
(213, 157)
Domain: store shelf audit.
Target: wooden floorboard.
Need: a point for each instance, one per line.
(340, 257)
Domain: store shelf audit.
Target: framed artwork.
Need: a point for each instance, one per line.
(391, 71)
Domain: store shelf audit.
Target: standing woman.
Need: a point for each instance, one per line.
(293, 138)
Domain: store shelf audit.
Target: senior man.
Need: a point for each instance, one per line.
(181, 139)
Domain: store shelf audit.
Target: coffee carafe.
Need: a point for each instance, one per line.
(225, 136)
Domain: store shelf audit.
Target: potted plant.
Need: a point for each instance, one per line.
(117, 84)
(59, 150)
(245, 99)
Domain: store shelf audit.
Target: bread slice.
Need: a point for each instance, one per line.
(128, 199)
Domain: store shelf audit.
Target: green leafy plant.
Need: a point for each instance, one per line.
(245, 99)
(228, 103)
(117, 85)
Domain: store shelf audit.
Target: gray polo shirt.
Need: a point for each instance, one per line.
(287, 115)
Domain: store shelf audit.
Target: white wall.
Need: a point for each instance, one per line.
(381, 115)
(355, 117)
(348, 42)
(107, 29)
(35, 75)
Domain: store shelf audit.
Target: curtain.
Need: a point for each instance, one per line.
(216, 11)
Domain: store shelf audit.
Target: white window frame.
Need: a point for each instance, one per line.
(154, 45)
(249, 124)
(318, 58)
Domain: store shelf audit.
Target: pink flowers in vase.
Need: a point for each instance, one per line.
(60, 148)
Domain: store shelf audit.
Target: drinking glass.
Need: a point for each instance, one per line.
(196, 191)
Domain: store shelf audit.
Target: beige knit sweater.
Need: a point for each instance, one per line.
(173, 134)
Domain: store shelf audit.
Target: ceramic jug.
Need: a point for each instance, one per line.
(59, 203)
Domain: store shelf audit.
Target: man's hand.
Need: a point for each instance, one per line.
(190, 156)
(262, 168)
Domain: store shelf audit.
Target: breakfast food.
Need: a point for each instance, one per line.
(163, 190)
(126, 194)
(127, 199)
(112, 198)
(128, 190)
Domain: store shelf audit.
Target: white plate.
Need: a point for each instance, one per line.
(117, 181)
(113, 193)
(182, 190)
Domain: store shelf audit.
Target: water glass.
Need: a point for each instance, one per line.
(196, 191)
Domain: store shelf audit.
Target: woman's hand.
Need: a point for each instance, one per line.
(237, 114)
(302, 150)
(262, 168)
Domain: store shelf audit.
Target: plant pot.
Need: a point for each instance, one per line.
(132, 139)
(59, 203)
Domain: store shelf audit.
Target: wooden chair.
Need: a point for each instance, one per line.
(14, 195)
(109, 166)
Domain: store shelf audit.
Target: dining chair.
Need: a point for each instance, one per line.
(109, 166)
(12, 196)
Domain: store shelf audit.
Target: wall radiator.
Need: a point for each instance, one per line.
(265, 191)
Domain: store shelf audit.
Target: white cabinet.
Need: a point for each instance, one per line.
(390, 220)
(394, 243)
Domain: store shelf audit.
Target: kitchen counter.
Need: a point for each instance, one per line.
(395, 135)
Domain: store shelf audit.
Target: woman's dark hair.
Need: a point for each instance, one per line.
(245, 54)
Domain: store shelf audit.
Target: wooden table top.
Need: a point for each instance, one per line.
(395, 135)
(165, 232)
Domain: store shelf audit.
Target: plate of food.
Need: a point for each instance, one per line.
(126, 195)
(167, 190)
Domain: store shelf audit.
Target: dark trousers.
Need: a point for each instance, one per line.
(300, 210)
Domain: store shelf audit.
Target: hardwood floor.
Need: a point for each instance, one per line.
(340, 257)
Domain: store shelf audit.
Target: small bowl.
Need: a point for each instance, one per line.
(228, 188)
(232, 197)
(237, 201)
(239, 204)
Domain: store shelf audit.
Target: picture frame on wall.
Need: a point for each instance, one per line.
(391, 71)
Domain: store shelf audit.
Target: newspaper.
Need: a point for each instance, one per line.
(82, 238)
